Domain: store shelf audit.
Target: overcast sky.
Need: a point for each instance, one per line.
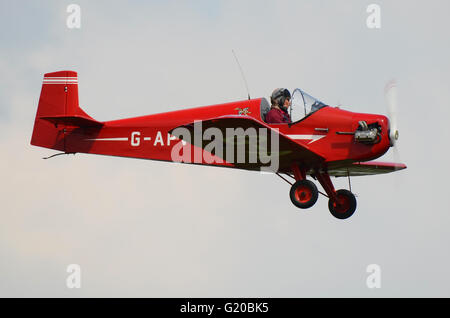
(153, 229)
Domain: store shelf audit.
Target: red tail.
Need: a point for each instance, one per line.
(58, 108)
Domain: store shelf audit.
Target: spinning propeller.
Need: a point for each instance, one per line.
(392, 105)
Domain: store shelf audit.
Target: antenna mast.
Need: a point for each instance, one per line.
(242, 73)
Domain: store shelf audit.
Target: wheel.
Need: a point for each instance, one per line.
(345, 205)
(304, 194)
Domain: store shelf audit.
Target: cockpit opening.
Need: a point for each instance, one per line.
(303, 104)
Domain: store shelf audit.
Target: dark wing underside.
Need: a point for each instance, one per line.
(365, 168)
(288, 150)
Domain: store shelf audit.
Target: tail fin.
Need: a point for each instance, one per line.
(58, 108)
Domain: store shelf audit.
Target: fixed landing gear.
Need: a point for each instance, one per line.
(344, 206)
(304, 194)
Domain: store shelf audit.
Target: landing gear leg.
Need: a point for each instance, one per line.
(342, 203)
(303, 192)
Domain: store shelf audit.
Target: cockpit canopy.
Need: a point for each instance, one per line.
(303, 104)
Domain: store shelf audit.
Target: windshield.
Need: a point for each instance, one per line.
(303, 104)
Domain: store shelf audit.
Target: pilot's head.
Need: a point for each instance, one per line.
(281, 98)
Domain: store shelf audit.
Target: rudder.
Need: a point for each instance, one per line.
(58, 107)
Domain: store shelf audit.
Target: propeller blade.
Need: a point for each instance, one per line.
(392, 103)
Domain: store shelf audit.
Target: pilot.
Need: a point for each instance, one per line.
(278, 113)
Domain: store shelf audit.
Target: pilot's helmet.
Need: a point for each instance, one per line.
(279, 95)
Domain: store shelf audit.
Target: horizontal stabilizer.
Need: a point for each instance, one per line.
(78, 121)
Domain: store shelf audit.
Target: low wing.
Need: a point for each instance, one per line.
(365, 168)
(288, 150)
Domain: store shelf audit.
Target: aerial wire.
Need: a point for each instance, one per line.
(242, 73)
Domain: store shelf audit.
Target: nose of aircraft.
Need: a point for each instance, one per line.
(393, 133)
(373, 130)
(386, 128)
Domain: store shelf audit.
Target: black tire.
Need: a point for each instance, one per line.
(304, 194)
(346, 207)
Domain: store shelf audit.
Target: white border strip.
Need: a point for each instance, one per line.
(60, 80)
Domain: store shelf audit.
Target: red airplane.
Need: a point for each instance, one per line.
(321, 142)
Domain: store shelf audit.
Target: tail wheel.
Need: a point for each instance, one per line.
(304, 194)
(345, 205)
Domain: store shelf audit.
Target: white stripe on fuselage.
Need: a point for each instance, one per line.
(109, 139)
(313, 138)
